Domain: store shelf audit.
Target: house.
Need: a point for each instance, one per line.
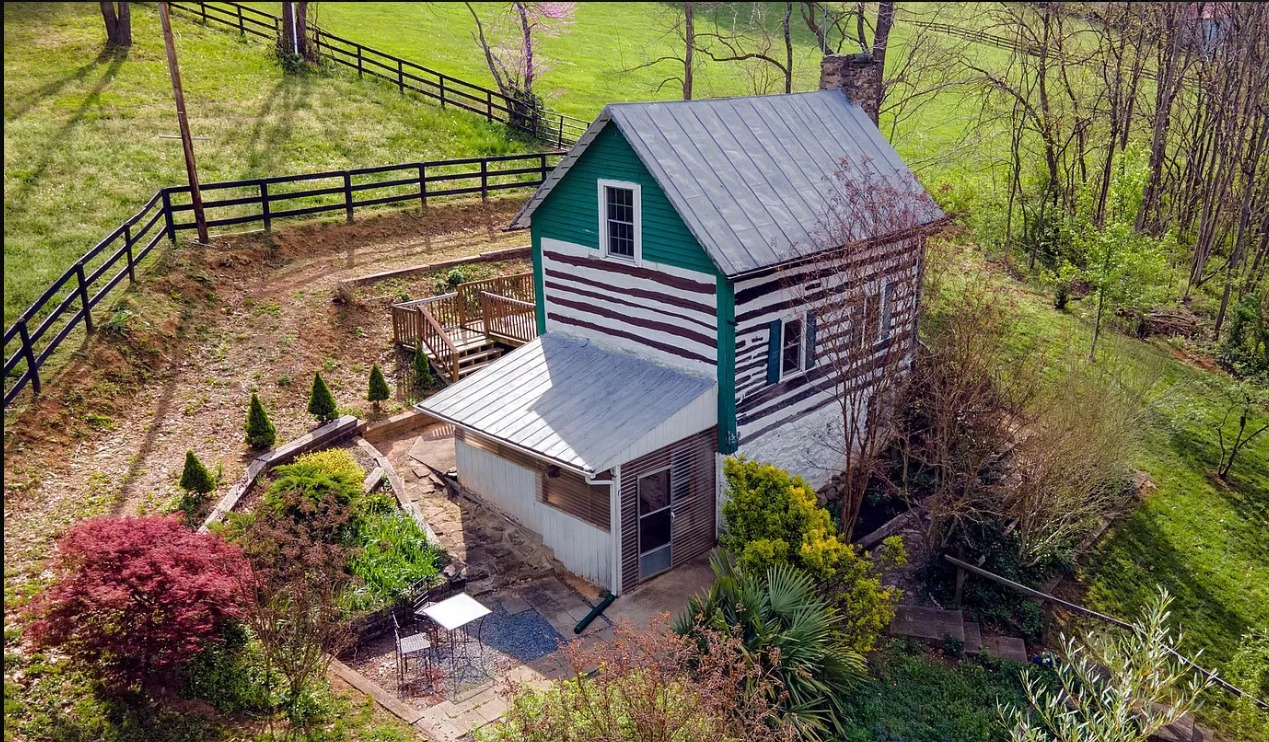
(677, 255)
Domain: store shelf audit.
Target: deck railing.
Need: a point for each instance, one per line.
(425, 321)
(518, 286)
(509, 320)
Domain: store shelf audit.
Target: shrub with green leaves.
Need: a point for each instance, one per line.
(321, 403)
(195, 479)
(771, 518)
(791, 631)
(260, 431)
(311, 478)
(379, 390)
(422, 371)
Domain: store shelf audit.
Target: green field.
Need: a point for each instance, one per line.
(85, 133)
(594, 61)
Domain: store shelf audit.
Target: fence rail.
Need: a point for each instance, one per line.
(553, 128)
(71, 299)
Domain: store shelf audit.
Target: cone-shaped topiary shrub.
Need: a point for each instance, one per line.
(260, 431)
(321, 403)
(379, 390)
(422, 369)
(195, 478)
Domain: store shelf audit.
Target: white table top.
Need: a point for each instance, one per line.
(454, 612)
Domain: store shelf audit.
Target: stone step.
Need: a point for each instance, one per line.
(933, 624)
(973, 638)
(1005, 648)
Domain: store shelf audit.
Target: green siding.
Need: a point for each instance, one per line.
(726, 304)
(571, 211)
(539, 284)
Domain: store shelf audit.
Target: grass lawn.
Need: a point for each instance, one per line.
(82, 129)
(915, 697)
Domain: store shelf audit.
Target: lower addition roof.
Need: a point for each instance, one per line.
(577, 404)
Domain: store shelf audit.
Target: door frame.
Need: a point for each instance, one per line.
(640, 515)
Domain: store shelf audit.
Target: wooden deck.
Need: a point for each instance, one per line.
(466, 330)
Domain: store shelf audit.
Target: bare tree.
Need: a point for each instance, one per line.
(744, 33)
(118, 24)
(297, 579)
(862, 299)
(1244, 403)
(651, 685)
(679, 23)
(510, 43)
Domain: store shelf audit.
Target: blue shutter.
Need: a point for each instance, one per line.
(773, 351)
(810, 340)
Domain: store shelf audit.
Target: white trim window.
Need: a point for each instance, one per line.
(791, 347)
(620, 220)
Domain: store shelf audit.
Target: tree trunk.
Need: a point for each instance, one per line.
(118, 24)
(788, 48)
(295, 31)
(689, 46)
(526, 32)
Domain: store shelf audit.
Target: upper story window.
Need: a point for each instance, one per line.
(620, 221)
(791, 355)
(791, 347)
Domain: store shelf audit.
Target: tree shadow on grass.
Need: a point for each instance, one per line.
(265, 151)
(1138, 559)
(50, 146)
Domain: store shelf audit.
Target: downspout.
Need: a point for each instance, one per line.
(614, 523)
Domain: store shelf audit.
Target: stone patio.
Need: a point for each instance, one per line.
(508, 568)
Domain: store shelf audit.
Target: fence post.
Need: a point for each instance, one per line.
(560, 138)
(202, 8)
(348, 202)
(127, 249)
(542, 156)
(167, 215)
(264, 206)
(423, 184)
(489, 105)
(442, 87)
(400, 78)
(359, 68)
(32, 370)
(83, 295)
(484, 180)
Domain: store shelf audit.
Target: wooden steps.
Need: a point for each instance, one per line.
(936, 625)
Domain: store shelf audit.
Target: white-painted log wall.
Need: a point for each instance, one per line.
(580, 547)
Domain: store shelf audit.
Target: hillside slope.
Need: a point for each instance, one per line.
(88, 134)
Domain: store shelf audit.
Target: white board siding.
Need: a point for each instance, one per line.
(794, 423)
(580, 547)
(660, 312)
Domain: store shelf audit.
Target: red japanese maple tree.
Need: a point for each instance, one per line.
(134, 599)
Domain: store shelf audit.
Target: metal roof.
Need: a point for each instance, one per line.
(763, 180)
(573, 402)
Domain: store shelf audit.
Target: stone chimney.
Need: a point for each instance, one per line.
(856, 75)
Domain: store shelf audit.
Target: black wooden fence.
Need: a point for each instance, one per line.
(71, 299)
(552, 128)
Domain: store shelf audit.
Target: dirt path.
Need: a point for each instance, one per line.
(264, 321)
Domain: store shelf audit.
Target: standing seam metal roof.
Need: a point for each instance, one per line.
(763, 180)
(568, 400)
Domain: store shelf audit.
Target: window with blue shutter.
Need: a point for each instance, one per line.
(773, 350)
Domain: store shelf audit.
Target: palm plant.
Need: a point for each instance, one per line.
(791, 632)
